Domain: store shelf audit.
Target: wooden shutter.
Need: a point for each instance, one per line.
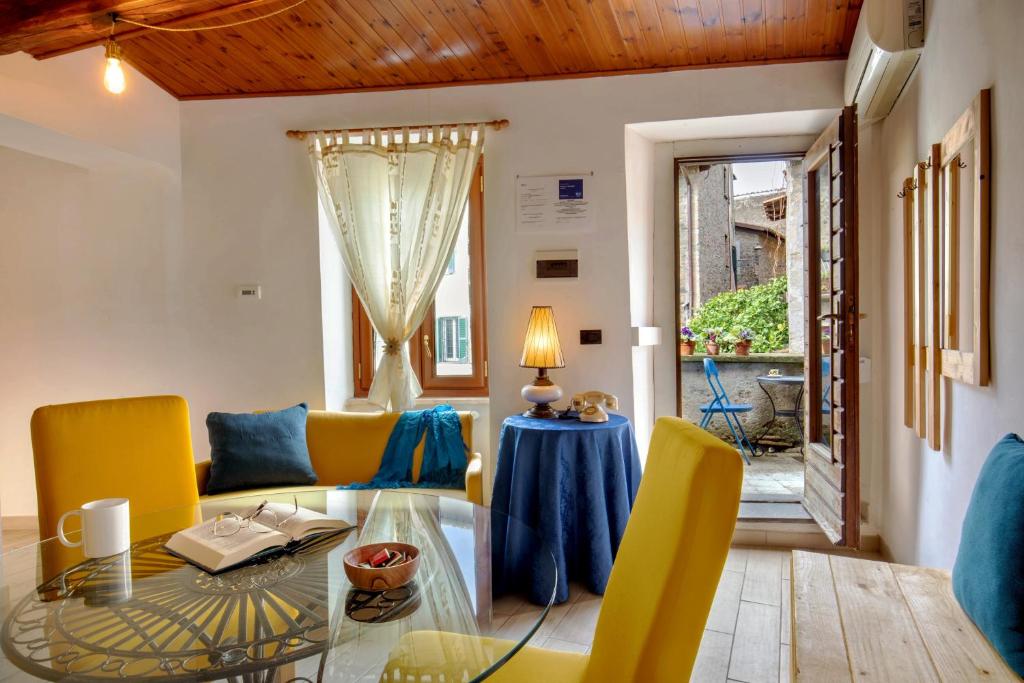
(831, 466)
(463, 346)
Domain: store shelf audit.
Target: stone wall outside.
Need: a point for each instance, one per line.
(713, 187)
(762, 257)
(738, 375)
(795, 256)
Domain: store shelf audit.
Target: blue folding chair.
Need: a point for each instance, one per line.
(826, 398)
(720, 403)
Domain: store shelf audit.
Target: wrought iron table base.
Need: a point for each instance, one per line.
(796, 412)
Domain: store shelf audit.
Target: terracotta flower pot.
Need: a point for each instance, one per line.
(712, 348)
(686, 348)
(826, 346)
(743, 348)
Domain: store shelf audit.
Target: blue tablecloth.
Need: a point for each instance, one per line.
(572, 482)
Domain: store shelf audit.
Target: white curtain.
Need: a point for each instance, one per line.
(395, 200)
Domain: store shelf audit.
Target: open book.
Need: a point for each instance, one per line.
(234, 543)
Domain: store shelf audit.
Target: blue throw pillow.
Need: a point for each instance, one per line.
(988, 578)
(252, 450)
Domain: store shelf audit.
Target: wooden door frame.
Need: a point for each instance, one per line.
(676, 163)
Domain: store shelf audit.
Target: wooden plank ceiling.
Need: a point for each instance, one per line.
(351, 45)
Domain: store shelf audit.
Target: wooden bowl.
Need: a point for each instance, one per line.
(381, 578)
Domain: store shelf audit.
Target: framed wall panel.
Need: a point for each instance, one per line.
(964, 175)
(910, 312)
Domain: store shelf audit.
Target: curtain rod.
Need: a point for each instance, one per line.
(496, 124)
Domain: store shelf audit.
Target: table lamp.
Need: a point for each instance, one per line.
(542, 351)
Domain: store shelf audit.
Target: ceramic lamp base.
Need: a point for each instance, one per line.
(543, 392)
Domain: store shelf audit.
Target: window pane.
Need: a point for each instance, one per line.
(824, 230)
(453, 351)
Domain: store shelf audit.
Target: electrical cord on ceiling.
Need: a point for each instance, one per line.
(116, 18)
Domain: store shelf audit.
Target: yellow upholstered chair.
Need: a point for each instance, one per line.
(660, 589)
(134, 448)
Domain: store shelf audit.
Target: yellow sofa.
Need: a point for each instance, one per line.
(347, 447)
(141, 449)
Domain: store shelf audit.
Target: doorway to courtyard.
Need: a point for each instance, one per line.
(768, 316)
(741, 313)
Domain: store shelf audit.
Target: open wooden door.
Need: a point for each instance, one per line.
(831, 459)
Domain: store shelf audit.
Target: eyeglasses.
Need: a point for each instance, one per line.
(261, 520)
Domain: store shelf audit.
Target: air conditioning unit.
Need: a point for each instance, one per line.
(886, 47)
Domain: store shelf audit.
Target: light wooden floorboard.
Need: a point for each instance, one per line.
(758, 651)
(762, 582)
(752, 602)
(727, 603)
(755, 645)
(712, 665)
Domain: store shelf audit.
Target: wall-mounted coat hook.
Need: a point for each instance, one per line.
(907, 187)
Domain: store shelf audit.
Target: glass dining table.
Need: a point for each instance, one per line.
(148, 615)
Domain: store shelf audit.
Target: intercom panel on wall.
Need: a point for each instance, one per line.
(561, 264)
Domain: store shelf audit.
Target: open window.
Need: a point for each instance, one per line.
(449, 350)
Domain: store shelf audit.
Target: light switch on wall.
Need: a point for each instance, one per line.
(865, 370)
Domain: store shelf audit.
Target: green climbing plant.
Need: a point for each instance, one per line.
(761, 308)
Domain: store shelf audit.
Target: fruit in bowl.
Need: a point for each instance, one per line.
(382, 566)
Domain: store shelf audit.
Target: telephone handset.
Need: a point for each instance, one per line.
(591, 405)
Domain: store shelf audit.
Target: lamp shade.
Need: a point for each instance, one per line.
(541, 349)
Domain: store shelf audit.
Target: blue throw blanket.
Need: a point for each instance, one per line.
(444, 453)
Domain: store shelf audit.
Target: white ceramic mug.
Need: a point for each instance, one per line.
(106, 529)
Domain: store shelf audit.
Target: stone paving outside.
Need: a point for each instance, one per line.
(778, 477)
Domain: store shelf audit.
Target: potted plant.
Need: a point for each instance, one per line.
(712, 336)
(826, 343)
(687, 340)
(743, 338)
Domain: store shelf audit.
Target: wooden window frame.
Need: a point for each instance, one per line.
(434, 385)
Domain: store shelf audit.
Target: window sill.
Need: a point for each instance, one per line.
(357, 404)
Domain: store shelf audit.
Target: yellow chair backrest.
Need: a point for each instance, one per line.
(671, 557)
(135, 448)
(347, 447)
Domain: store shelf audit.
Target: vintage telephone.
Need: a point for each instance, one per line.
(591, 405)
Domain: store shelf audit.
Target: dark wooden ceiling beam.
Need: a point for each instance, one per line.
(125, 32)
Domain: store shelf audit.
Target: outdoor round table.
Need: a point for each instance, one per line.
(572, 482)
(293, 617)
(796, 412)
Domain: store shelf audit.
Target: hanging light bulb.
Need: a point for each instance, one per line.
(113, 77)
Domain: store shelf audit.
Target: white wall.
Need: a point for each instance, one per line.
(640, 174)
(969, 45)
(251, 216)
(91, 263)
(65, 95)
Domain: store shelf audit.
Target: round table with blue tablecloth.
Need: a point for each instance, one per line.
(574, 483)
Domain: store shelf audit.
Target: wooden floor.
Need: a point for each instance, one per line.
(747, 635)
(15, 538)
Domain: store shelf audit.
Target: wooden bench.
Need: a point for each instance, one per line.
(874, 621)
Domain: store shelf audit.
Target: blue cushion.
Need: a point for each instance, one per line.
(250, 450)
(988, 578)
